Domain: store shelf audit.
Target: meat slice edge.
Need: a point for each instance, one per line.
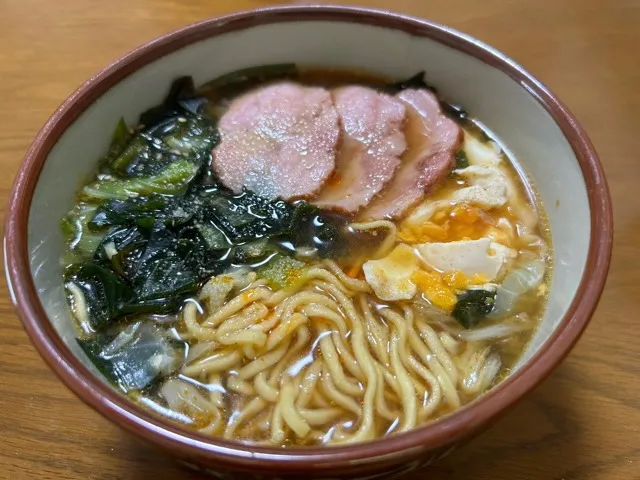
(372, 142)
(432, 139)
(278, 141)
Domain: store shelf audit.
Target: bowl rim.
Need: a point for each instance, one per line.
(235, 455)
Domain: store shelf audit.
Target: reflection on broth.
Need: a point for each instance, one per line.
(224, 291)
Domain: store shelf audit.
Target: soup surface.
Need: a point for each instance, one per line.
(293, 257)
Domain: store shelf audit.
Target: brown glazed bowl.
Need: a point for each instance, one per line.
(551, 147)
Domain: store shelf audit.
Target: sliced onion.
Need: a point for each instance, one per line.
(183, 397)
(481, 370)
(124, 338)
(200, 349)
(491, 332)
(163, 319)
(433, 314)
(515, 284)
(79, 306)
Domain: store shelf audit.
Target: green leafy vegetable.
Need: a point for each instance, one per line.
(120, 138)
(461, 159)
(243, 217)
(171, 181)
(105, 294)
(75, 226)
(160, 263)
(311, 227)
(254, 249)
(160, 225)
(417, 81)
(214, 236)
(142, 157)
(120, 250)
(121, 135)
(473, 306)
(140, 354)
(282, 271)
(457, 112)
(186, 134)
(176, 129)
(173, 263)
(131, 211)
(182, 98)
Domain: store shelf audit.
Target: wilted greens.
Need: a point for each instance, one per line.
(472, 306)
(154, 224)
(136, 356)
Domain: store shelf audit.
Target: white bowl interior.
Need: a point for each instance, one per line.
(490, 95)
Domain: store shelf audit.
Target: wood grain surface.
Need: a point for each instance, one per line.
(582, 423)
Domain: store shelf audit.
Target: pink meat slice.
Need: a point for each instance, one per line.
(278, 141)
(432, 140)
(372, 142)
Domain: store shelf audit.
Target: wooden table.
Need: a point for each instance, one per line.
(582, 423)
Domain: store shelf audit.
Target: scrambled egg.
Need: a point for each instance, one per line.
(488, 187)
(440, 289)
(390, 277)
(458, 242)
(481, 153)
(463, 222)
(432, 285)
(398, 276)
(423, 212)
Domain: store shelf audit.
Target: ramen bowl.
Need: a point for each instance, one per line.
(534, 125)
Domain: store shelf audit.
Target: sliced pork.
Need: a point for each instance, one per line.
(372, 142)
(278, 141)
(432, 140)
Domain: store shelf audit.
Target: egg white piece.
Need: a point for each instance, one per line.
(481, 153)
(471, 257)
(390, 277)
(487, 187)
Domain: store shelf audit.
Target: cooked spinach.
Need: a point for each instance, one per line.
(105, 293)
(282, 271)
(186, 133)
(160, 224)
(119, 140)
(416, 81)
(131, 211)
(242, 217)
(142, 157)
(456, 112)
(473, 306)
(120, 250)
(75, 226)
(137, 356)
(182, 98)
(311, 227)
(461, 159)
(171, 181)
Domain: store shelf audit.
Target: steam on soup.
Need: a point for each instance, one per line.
(301, 257)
